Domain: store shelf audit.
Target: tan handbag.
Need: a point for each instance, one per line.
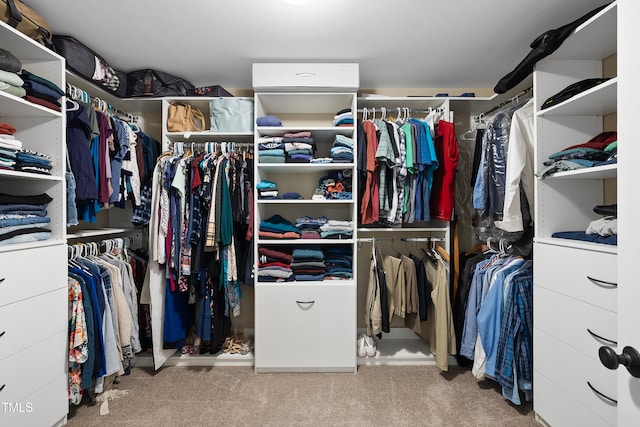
(26, 20)
(185, 118)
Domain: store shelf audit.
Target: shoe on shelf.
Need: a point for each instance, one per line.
(319, 194)
(361, 350)
(370, 346)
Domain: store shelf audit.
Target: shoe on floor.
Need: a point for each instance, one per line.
(370, 346)
(361, 350)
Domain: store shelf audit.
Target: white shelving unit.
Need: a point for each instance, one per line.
(585, 285)
(33, 351)
(305, 326)
(203, 104)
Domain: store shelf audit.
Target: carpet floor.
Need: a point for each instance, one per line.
(375, 396)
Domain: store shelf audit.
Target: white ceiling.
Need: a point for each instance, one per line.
(398, 43)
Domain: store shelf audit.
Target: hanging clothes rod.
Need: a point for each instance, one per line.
(402, 239)
(528, 92)
(213, 146)
(413, 110)
(101, 105)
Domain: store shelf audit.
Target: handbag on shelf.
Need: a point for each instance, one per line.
(231, 114)
(185, 118)
(26, 20)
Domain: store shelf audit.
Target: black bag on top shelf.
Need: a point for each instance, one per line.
(149, 82)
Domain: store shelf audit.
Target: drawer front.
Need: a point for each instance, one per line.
(305, 327)
(29, 272)
(340, 76)
(570, 370)
(567, 271)
(570, 321)
(45, 407)
(559, 409)
(29, 370)
(28, 322)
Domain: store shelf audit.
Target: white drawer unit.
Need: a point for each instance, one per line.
(31, 321)
(305, 327)
(560, 408)
(582, 326)
(44, 407)
(26, 371)
(30, 272)
(572, 371)
(589, 276)
(339, 77)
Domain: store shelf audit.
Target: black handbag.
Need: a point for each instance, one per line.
(87, 64)
(150, 82)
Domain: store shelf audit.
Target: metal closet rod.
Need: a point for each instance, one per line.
(515, 98)
(402, 239)
(394, 109)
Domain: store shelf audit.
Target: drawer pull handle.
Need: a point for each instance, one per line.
(604, 396)
(602, 338)
(2, 279)
(2, 333)
(602, 282)
(3, 386)
(305, 302)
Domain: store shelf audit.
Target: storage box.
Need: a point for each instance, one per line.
(289, 77)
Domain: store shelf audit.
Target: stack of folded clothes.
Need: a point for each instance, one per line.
(41, 91)
(310, 227)
(270, 149)
(24, 218)
(335, 229)
(343, 118)
(274, 264)
(342, 149)
(267, 190)
(299, 146)
(600, 150)
(10, 81)
(32, 161)
(9, 146)
(603, 230)
(308, 264)
(277, 227)
(339, 262)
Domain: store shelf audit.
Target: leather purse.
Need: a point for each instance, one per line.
(27, 21)
(184, 118)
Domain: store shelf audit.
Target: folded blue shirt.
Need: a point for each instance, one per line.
(268, 120)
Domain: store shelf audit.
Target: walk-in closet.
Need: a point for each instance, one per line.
(305, 212)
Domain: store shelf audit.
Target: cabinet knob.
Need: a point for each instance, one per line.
(630, 358)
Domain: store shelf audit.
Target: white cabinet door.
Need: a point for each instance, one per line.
(629, 232)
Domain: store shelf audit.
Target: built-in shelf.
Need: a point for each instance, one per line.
(597, 172)
(597, 101)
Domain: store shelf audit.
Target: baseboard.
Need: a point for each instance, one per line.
(401, 346)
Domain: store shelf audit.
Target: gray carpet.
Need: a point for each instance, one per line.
(375, 396)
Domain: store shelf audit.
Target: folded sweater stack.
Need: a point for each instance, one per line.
(274, 264)
(24, 218)
(308, 264)
(339, 262)
(277, 227)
